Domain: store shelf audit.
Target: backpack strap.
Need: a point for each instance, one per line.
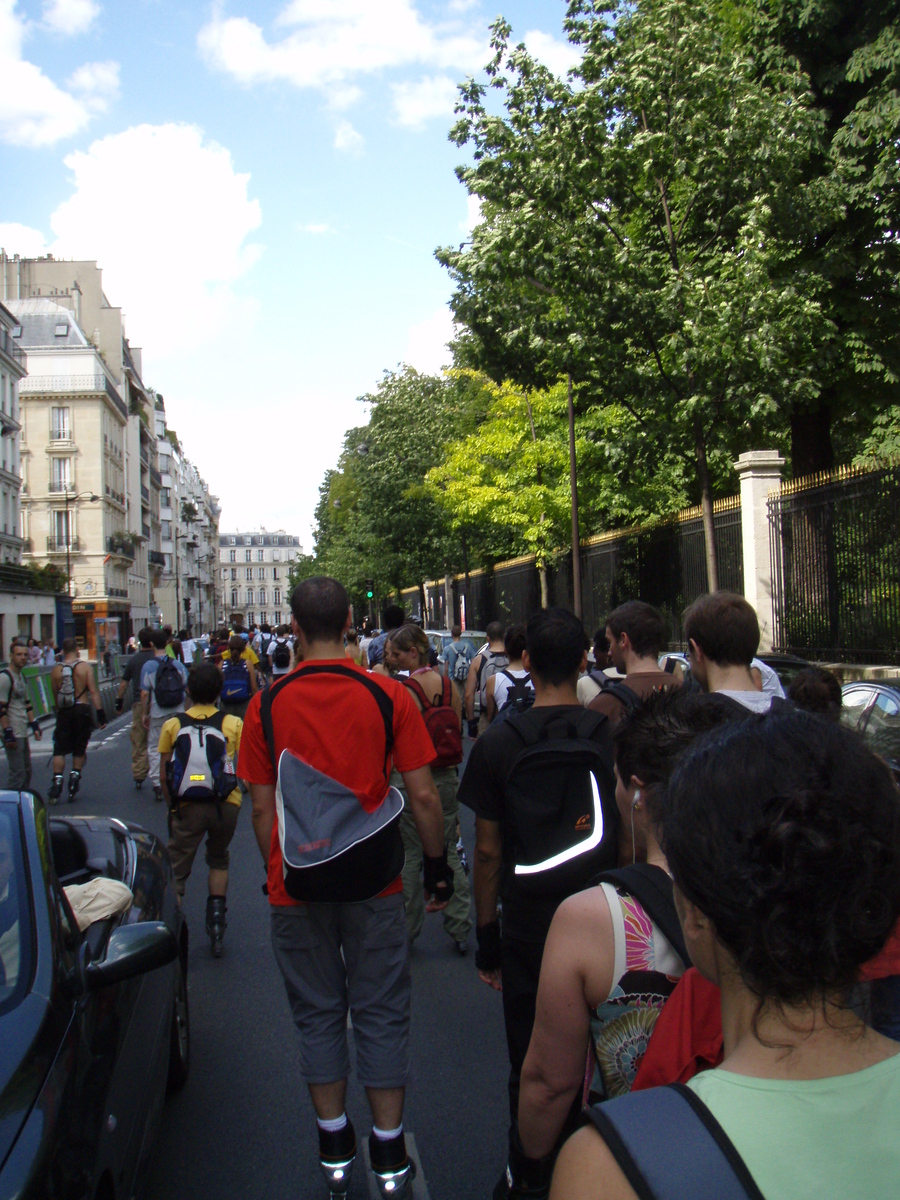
(653, 888)
(627, 697)
(416, 688)
(382, 699)
(669, 1146)
(587, 722)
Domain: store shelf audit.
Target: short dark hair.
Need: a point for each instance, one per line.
(725, 627)
(646, 628)
(69, 645)
(160, 639)
(817, 690)
(320, 606)
(649, 739)
(494, 631)
(556, 643)
(204, 683)
(145, 636)
(236, 646)
(456, 631)
(784, 830)
(515, 641)
(392, 617)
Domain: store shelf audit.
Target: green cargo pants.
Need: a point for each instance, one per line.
(457, 918)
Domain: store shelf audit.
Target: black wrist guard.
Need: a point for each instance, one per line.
(120, 703)
(35, 726)
(473, 728)
(8, 735)
(438, 877)
(101, 717)
(487, 956)
(529, 1178)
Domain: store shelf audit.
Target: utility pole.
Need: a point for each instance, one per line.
(573, 488)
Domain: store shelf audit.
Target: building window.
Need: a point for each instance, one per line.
(276, 596)
(60, 474)
(262, 597)
(231, 541)
(167, 563)
(234, 598)
(60, 427)
(249, 595)
(262, 616)
(63, 523)
(275, 540)
(261, 555)
(165, 497)
(248, 556)
(248, 541)
(251, 617)
(260, 541)
(274, 572)
(277, 617)
(232, 556)
(276, 556)
(234, 573)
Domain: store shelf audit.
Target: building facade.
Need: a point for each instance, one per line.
(12, 370)
(254, 575)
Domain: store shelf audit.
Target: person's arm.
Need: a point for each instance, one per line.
(9, 738)
(263, 817)
(587, 1170)
(456, 700)
(145, 707)
(487, 861)
(254, 682)
(94, 692)
(490, 703)
(364, 660)
(164, 756)
(471, 686)
(553, 1070)
(428, 815)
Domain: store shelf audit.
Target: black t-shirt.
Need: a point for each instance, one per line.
(135, 666)
(483, 789)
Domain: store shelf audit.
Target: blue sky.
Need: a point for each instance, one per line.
(264, 185)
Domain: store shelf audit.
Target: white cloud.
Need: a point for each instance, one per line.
(426, 347)
(98, 84)
(347, 138)
(171, 254)
(34, 111)
(331, 41)
(473, 214)
(314, 229)
(70, 17)
(22, 240)
(559, 56)
(415, 103)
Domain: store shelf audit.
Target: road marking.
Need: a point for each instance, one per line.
(420, 1185)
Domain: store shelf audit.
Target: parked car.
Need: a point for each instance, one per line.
(872, 707)
(785, 666)
(93, 1025)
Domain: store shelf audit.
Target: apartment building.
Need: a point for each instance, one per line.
(135, 560)
(254, 575)
(187, 593)
(72, 446)
(12, 370)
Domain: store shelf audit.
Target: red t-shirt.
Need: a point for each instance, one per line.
(334, 725)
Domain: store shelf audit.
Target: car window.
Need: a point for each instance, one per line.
(854, 701)
(16, 949)
(883, 727)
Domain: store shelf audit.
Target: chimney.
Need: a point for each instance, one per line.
(77, 293)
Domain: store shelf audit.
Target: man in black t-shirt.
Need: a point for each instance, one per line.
(511, 961)
(134, 666)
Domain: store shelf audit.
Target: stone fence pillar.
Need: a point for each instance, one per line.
(760, 473)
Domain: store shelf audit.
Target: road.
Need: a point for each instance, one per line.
(243, 1127)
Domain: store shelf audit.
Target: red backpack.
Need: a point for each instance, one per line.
(442, 724)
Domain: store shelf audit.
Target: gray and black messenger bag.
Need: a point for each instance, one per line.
(333, 850)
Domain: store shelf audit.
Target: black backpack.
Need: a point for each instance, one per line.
(168, 684)
(628, 698)
(519, 698)
(560, 800)
(281, 655)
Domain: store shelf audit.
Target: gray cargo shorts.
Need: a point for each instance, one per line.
(370, 979)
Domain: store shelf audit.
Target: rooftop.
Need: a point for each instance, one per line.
(43, 323)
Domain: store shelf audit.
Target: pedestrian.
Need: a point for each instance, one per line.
(239, 681)
(490, 659)
(48, 653)
(512, 683)
(202, 741)
(366, 640)
(71, 681)
(458, 657)
(542, 788)
(349, 949)
(163, 681)
(436, 697)
(140, 763)
(635, 635)
(722, 633)
(16, 718)
(354, 651)
(783, 838)
(392, 618)
(280, 652)
(34, 653)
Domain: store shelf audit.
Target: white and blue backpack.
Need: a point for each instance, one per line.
(200, 768)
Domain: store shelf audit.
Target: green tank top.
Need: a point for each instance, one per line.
(816, 1139)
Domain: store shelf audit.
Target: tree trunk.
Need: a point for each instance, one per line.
(706, 507)
(811, 446)
(545, 587)
(573, 487)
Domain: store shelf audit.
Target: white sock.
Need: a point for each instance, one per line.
(387, 1135)
(332, 1126)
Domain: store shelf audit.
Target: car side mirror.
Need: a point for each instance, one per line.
(132, 950)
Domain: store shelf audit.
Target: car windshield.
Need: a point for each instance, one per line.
(16, 950)
(883, 728)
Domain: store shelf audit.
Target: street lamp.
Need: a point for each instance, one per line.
(68, 497)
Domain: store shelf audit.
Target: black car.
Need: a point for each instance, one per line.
(872, 707)
(93, 1025)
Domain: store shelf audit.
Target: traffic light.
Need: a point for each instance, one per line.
(370, 589)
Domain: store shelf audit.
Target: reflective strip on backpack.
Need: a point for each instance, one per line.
(565, 856)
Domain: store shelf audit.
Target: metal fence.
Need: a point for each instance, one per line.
(835, 547)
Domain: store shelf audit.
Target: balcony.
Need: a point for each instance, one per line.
(59, 487)
(56, 385)
(64, 545)
(120, 545)
(155, 477)
(11, 348)
(145, 495)
(61, 435)
(156, 558)
(145, 530)
(145, 455)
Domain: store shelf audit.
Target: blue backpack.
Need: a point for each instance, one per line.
(235, 682)
(168, 684)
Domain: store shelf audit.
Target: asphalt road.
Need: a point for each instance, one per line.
(244, 1127)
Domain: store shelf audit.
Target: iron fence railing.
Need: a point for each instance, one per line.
(835, 550)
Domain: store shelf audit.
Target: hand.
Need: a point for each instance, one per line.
(120, 703)
(473, 729)
(493, 979)
(438, 884)
(38, 732)
(145, 721)
(101, 718)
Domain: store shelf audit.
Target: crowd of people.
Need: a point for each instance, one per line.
(686, 884)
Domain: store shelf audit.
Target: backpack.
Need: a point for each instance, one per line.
(200, 768)
(560, 798)
(628, 698)
(281, 655)
(519, 699)
(490, 664)
(669, 1145)
(65, 697)
(461, 667)
(235, 682)
(441, 722)
(168, 685)
(333, 851)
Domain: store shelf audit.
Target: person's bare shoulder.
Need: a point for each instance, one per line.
(587, 1170)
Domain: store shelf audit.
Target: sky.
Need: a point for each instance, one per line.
(264, 185)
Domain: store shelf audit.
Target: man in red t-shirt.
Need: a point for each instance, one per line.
(336, 956)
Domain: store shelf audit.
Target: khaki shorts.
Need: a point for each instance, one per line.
(193, 821)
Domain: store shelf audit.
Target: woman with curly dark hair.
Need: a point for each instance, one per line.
(783, 837)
